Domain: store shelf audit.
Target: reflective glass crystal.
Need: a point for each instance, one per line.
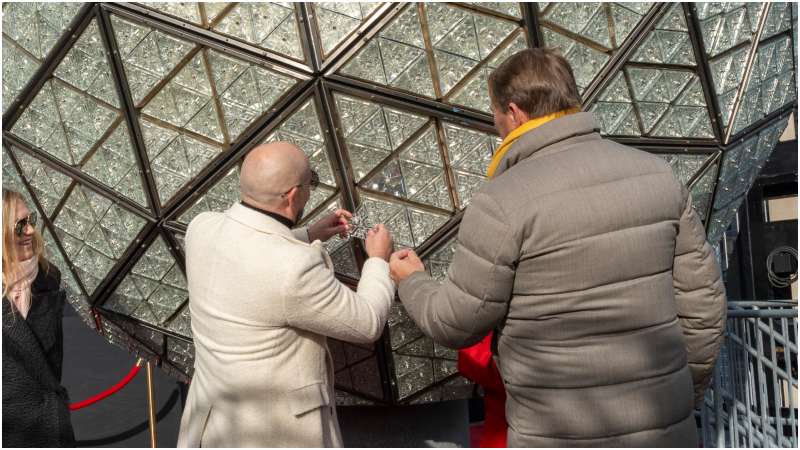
(18, 67)
(269, 25)
(181, 353)
(86, 67)
(145, 293)
(702, 190)
(727, 73)
(184, 10)
(372, 131)
(64, 122)
(669, 42)
(12, 179)
(95, 232)
(598, 24)
(741, 165)
(410, 226)
(175, 158)
(669, 103)
(438, 262)
(36, 26)
(725, 25)
(219, 198)
(245, 90)
(395, 56)
(684, 166)
(771, 85)
(147, 55)
(508, 8)
(469, 152)
(114, 164)
(779, 19)
(462, 39)
(417, 173)
(337, 20)
(48, 184)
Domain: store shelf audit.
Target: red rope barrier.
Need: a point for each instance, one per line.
(107, 392)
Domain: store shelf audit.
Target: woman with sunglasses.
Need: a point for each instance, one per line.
(35, 405)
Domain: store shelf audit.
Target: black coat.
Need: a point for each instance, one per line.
(35, 405)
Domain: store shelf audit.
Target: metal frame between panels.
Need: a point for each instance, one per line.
(318, 80)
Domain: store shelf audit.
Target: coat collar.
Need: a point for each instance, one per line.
(553, 132)
(258, 221)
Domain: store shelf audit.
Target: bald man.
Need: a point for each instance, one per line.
(263, 301)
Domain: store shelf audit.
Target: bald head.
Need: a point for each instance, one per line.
(270, 170)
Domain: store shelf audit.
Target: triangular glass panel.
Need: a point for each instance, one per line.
(250, 94)
(272, 26)
(114, 164)
(727, 73)
(585, 61)
(741, 165)
(726, 25)
(219, 198)
(98, 232)
(75, 295)
(438, 263)
(18, 67)
(86, 67)
(772, 83)
(598, 22)
(12, 179)
(469, 150)
(145, 293)
(374, 131)
(703, 189)
(337, 20)
(668, 42)
(340, 250)
(187, 11)
(402, 33)
(779, 19)
(182, 323)
(64, 122)
(48, 184)
(507, 8)
(147, 55)
(684, 166)
(37, 26)
(175, 158)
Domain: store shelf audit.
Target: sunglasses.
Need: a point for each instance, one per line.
(312, 184)
(22, 224)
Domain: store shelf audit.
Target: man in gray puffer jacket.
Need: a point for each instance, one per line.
(587, 259)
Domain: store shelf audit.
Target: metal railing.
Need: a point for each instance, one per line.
(753, 398)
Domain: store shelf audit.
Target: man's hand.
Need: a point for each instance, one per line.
(403, 263)
(379, 242)
(330, 225)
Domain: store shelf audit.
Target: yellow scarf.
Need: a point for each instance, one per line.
(519, 131)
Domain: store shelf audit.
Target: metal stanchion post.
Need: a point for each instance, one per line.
(151, 407)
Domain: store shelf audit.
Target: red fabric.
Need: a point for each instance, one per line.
(476, 364)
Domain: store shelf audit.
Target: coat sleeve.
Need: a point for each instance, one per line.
(474, 297)
(700, 297)
(316, 301)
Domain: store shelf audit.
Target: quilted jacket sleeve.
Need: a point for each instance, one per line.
(474, 297)
(700, 297)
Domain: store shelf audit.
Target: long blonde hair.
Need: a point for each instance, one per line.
(11, 265)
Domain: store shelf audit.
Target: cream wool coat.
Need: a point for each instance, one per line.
(262, 303)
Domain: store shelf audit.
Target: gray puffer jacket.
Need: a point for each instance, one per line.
(588, 259)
